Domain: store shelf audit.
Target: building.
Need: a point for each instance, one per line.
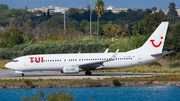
(112, 8)
(51, 9)
(60, 9)
(45, 9)
(178, 11)
(157, 11)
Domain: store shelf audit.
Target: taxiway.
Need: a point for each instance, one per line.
(9, 74)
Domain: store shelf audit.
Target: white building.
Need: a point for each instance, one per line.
(178, 11)
(60, 9)
(112, 8)
(51, 9)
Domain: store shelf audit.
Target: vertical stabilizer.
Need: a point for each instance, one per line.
(156, 41)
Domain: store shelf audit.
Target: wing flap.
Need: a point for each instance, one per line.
(95, 64)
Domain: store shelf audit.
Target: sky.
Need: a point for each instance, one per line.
(133, 4)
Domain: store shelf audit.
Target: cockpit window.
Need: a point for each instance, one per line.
(14, 60)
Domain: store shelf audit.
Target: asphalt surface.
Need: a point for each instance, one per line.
(9, 74)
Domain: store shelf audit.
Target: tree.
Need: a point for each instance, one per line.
(141, 29)
(26, 8)
(83, 25)
(154, 9)
(38, 12)
(53, 96)
(136, 29)
(3, 8)
(71, 10)
(130, 29)
(15, 36)
(161, 12)
(172, 9)
(151, 22)
(48, 14)
(100, 8)
(175, 39)
(112, 30)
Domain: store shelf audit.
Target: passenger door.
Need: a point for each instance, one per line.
(26, 61)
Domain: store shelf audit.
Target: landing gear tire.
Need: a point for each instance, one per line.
(22, 74)
(88, 73)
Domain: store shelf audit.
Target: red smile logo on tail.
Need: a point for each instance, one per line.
(156, 45)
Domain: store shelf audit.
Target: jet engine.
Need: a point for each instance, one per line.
(70, 69)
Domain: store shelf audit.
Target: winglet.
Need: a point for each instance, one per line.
(114, 55)
(106, 51)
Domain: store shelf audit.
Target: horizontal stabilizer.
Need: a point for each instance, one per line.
(161, 54)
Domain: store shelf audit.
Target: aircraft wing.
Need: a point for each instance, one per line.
(162, 54)
(94, 65)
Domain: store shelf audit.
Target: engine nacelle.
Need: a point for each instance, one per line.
(70, 69)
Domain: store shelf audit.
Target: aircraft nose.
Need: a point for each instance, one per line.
(8, 65)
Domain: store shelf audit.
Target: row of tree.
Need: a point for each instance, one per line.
(40, 23)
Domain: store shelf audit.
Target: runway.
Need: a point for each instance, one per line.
(9, 74)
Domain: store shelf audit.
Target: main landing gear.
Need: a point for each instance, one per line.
(88, 72)
(22, 74)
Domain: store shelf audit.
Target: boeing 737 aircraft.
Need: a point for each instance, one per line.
(73, 63)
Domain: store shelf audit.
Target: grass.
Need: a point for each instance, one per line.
(50, 83)
(145, 69)
(3, 62)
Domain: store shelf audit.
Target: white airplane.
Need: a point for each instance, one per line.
(73, 63)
